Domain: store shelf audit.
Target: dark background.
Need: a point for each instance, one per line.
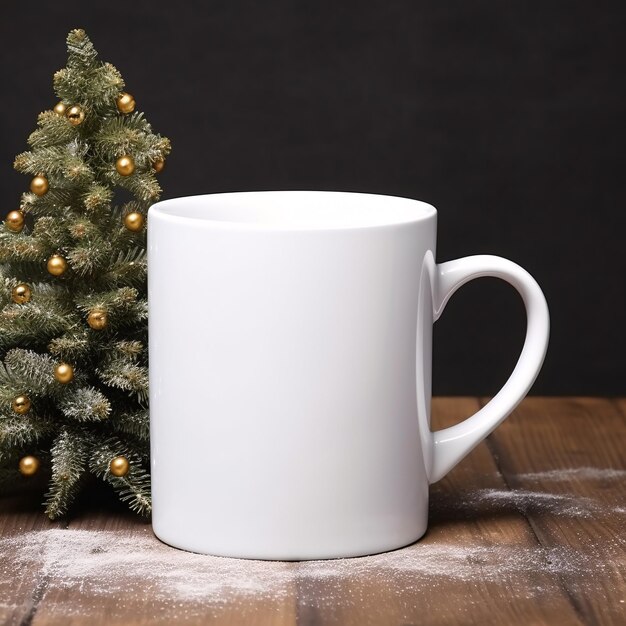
(507, 116)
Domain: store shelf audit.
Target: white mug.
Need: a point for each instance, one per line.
(290, 342)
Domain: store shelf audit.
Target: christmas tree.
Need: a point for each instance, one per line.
(73, 293)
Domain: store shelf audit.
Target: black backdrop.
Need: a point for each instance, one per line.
(507, 116)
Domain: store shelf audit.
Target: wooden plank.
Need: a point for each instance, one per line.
(478, 564)
(21, 587)
(116, 572)
(566, 459)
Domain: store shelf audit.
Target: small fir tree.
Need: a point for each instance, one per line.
(73, 293)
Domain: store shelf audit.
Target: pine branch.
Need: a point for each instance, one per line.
(130, 349)
(82, 229)
(108, 83)
(121, 238)
(130, 134)
(72, 346)
(48, 235)
(56, 203)
(70, 453)
(133, 488)
(32, 324)
(35, 372)
(51, 234)
(7, 283)
(97, 84)
(86, 404)
(96, 197)
(65, 165)
(123, 374)
(128, 268)
(20, 247)
(35, 322)
(163, 144)
(50, 294)
(90, 256)
(122, 306)
(21, 431)
(81, 53)
(53, 131)
(8, 391)
(136, 423)
(31, 271)
(44, 294)
(142, 184)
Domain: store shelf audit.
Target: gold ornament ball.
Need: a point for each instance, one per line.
(21, 404)
(134, 221)
(119, 466)
(64, 373)
(57, 265)
(125, 103)
(125, 165)
(29, 465)
(75, 115)
(97, 319)
(15, 221)
(158, 165)
(59, 109)
(21, 293)
(39, 185)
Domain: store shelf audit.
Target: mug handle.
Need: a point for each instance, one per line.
(451, 444)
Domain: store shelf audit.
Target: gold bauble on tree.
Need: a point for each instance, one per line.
(125, 165)
(59, 108)
(29, 465)
(158, 164)
(39, 185)
(134, 221)
(21, 294)
(15, 221)
(21, 404)
(64, 373)
(97, 319)
(75, 115)
(125, 103)
(57, 265)
(119, 466)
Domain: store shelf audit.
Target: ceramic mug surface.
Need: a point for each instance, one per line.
(290, 339)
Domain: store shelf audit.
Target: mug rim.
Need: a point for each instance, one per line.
(249, 210)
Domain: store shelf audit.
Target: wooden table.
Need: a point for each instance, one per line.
(529, 529)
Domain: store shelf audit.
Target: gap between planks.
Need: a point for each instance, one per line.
(492, 446)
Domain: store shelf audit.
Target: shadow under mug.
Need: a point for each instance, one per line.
(290, 371)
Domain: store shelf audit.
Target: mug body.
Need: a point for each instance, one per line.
(288, 409)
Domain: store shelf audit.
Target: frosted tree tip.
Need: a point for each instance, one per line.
(20, 162)
(77, 34)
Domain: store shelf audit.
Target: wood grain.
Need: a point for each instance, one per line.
(528, 529)
(575, 448)
(20, 591)
(136, 601)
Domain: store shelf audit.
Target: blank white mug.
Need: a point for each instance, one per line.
(290, 371)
